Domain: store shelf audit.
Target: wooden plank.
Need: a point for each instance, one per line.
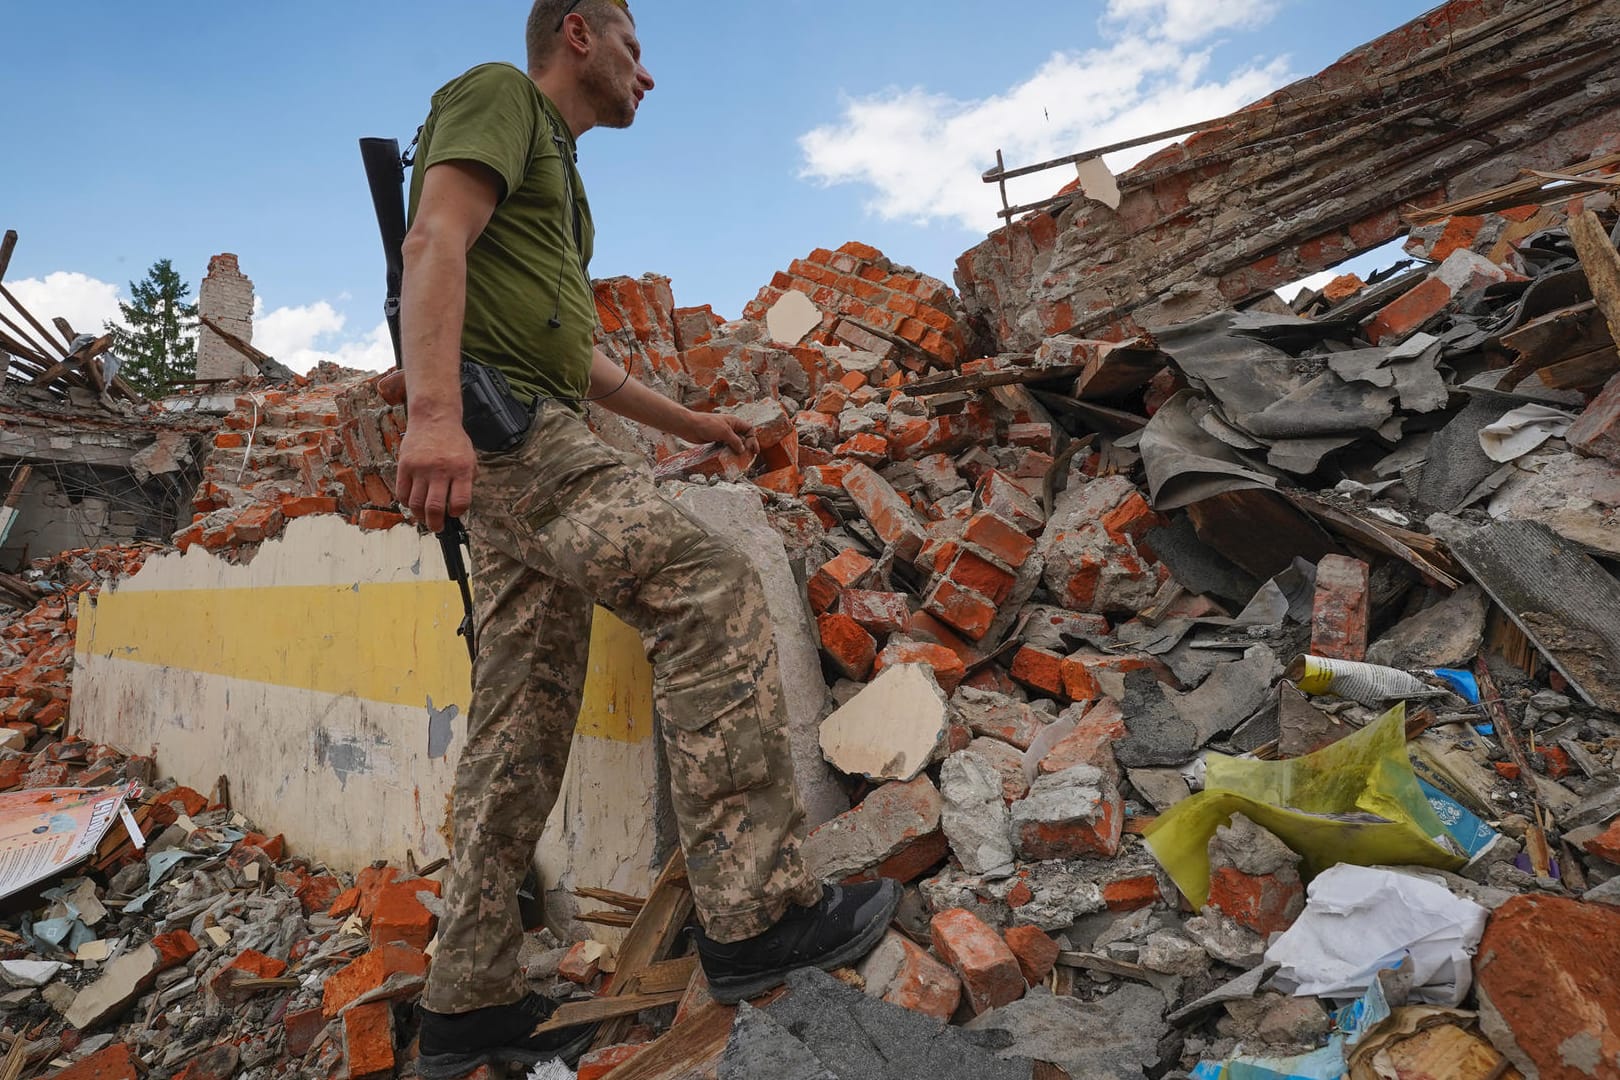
(64, 328)
(617, 899)
(606, 1008)
(7, 246)
(1563, 601)
(35, 323)
(268, 366)
(621, 919)
(1417, 550)
(984, 380)
(1119, 371)
(1602, 265)
(667, 975)
(651, 939)
(1583, 371)
(691, 1048)
(1535, 834)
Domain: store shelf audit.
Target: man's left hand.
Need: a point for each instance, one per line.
(733, 432)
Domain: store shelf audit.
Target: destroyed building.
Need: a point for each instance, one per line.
(1233, 684)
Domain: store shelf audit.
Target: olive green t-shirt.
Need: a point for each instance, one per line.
(525, 269)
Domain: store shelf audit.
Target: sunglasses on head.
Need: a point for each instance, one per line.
(568, 10)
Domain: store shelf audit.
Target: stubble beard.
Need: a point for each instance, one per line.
(613, 103)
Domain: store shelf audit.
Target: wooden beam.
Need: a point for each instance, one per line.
(35, 323)
(1602, 265)
(64, 328)
(684, 1050)
(652, 938)
(984, 380)
(7, 246)
(599, 1009)
(667, 975)
(268, 366)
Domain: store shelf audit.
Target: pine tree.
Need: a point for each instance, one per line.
(159, 346)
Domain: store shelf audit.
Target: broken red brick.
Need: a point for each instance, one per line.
(301, 1028)
(114, 1062)
(1544, 973)
(1606, 845)
(599, 1063)
(960, 608)
(987, 967)
(368, 1040)
(1036, 952)
(918, 982)
(848, 647)
(1339, 616)
(1039, 669)
(999, 537)
(984, 577)
(877, 612)
(400, 917)
(836, 574)
(1596, 432)
(881, 506)
(174, 949)
(1132, 893)
(318, 893)
(367, 973)
(946, 665)
(582, 963)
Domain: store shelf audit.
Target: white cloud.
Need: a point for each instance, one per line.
(303, 336)
(1188, 20)
(87, 304)
(922, 153)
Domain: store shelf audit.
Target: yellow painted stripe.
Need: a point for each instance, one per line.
(393, 643)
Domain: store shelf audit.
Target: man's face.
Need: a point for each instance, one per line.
(614, 80)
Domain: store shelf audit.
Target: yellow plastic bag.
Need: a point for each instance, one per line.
(1356, 801)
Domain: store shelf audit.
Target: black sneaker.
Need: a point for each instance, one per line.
(846, 925)
(452, 1045)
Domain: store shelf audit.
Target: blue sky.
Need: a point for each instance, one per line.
(179, 130)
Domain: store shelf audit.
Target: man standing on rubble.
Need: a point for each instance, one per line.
(495, 262)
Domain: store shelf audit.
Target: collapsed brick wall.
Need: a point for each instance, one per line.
(1315, 174)
(326, 445)
(226, 297)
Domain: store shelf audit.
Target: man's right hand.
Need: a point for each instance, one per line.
(436, 467)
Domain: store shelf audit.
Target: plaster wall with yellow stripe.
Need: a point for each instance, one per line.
(325, 679)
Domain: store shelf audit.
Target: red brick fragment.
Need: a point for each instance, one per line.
(1036, 952)
(987, 967)
(367, 973)
(947, 667)
(400, 916)
(115, 1062)
(836, 574)
(1339, 616)
(368, 1040)
(848, 647)
(1544, 973)
(599, 1063)
(877, 612)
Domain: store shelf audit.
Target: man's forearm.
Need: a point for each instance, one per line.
(634, 400)
(432, 308)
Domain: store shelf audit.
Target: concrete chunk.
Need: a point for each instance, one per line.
(894, 833)
(1075, 812)
(889, 730)
(120, 983)
(975, 815)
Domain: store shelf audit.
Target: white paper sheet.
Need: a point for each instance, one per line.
(1358, 920)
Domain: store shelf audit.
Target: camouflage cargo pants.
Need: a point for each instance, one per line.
(557, 525)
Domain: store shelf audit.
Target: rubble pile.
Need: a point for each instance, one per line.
(37, 641)
(1237, 696)
(322, 444)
